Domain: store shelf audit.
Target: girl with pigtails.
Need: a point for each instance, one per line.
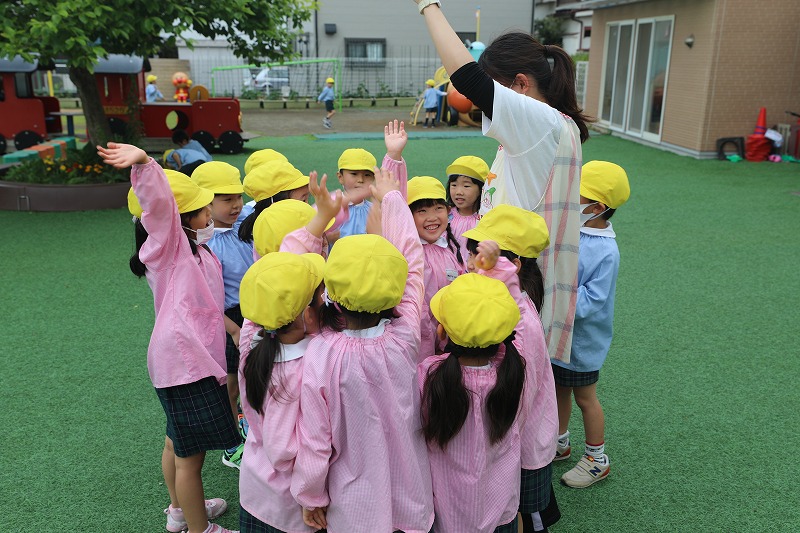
(471, 407)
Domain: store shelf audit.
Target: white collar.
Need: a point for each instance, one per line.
(289, 352)
(608, 231)
(441, 242)
(221, 230)
(369, 333)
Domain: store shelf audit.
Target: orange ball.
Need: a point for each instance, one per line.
(458, 101)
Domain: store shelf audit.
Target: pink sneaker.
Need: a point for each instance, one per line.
(216, 528)
(176, 523)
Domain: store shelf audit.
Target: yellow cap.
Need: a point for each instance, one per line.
(267, 180)
(514, 229)
(260, 157)
(188, 195)
(166, 156)
(330, 80)
(218, 177)
(366, 273)
(605, 182)
(151, 78)
(476, 311)
(425, 188)
(470, 166)
(279, 220)
(278, 287)
(357, 159)
(430, 83)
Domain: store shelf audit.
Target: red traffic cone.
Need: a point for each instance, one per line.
(761, 123)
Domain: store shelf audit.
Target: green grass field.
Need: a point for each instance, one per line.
(697, 388)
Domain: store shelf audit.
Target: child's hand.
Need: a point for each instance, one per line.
(122, 155)
(395, 136)
(488, 254)
(385, 182)
(374, 219)
(327, 206)
(315, 517)
(357, 196)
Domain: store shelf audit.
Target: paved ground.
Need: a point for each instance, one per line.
(285, 122)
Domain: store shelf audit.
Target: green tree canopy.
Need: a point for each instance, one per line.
(81, 31)
(549, 30)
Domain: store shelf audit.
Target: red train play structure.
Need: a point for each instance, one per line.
(28, 119)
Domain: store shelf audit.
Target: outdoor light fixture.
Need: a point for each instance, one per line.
(689, 41)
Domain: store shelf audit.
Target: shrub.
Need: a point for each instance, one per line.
(80, 167)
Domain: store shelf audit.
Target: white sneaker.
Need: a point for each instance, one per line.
(215, 508)
(587, 472)
(562, 452)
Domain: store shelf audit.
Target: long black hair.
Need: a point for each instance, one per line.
(446, 401)
(140, 235)
(477, 205)
(259, 367)
(246, 228)
(452, 243)
(518, 52)
(530, 276)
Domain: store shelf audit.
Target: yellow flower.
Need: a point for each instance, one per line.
(62, 167)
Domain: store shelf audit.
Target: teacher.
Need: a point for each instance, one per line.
(526, 92)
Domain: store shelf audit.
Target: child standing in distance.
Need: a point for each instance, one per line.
(356, 175)
(327, 97)
(604, 188)
(236, 256)
(427, 201)
(152, 93)
(520, 236)
(281, 294)
(471, 398)
(356, 381)
(186, 356)
(182, 139)
(465, 179)
(268, 183)
(430, 101)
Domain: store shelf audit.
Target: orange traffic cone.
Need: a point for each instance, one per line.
(761, 124)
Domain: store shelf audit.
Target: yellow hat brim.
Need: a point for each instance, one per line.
(462, 170)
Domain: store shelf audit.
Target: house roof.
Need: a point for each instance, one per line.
(598, 4)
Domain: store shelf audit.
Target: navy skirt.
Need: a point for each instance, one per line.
(231, 351)
(565, 377)
(199, 417)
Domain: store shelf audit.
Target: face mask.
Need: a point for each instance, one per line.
(586, 217)
(203, 235)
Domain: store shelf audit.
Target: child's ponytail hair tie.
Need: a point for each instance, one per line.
(329, 302)
(270, 332)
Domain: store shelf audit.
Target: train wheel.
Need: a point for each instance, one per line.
(26, 139)
(204, 138)
(2, 145)
(230, 142)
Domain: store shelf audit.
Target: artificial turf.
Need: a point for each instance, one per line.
(697, 388)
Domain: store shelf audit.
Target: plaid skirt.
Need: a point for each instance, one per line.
(535, 487)
(250, 524)
(565, 377)
(199, 417)
(511, 527)
(231, 351)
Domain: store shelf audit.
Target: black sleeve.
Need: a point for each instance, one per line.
(471, 81)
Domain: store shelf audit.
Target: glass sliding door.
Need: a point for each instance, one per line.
(617, 72)
(635, 76)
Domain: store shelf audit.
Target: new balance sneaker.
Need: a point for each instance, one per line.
(176, 522)
(233, 457)
(587, 472)
(562, 452)
(244, 427)
(326, 122)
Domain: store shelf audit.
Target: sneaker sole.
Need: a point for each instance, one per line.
(595, 480)
(231, 464)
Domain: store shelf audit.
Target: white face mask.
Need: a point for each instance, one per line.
(586, 217)
(203, 235)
